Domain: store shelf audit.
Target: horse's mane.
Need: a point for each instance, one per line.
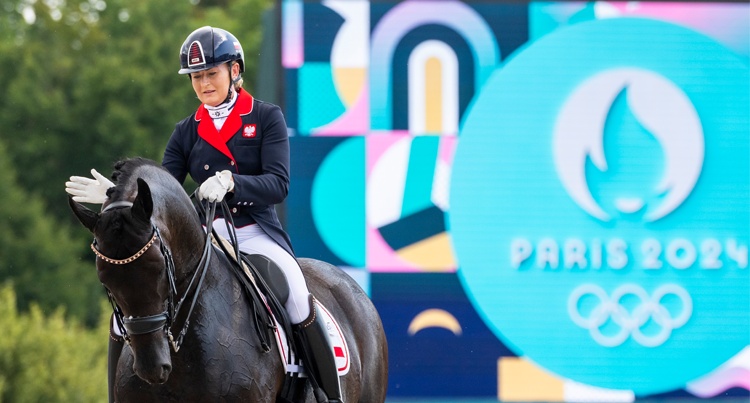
(124, 169)
(172, 206)
(125, 173)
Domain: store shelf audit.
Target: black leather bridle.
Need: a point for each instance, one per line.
(162, 321)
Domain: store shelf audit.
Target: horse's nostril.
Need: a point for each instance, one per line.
(165, 370)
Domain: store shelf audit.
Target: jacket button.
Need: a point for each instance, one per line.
(234, 210)
(205, 167)
(231, 163)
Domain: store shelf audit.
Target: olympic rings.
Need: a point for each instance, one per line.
(630, 322)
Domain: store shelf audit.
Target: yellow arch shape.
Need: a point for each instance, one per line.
(434, 318)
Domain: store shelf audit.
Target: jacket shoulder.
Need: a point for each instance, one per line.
(265, 107)
(187, 121)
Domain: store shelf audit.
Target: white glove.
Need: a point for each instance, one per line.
(88, 190)
(216, 187)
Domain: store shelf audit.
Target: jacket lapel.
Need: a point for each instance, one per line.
(218, 139)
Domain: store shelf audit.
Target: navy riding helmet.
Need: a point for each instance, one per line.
(208, 47)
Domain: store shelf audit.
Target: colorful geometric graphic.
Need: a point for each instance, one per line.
(435, 334)
(531, 189)
(735, 373)
(316, 221)
(407, 196)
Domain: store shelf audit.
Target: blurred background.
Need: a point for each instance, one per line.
(546, 201)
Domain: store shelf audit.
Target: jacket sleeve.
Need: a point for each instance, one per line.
(271, 186)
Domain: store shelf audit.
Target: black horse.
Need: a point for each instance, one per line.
(152, 257)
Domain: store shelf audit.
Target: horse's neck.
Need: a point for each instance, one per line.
(186, 238)
(187, 252)
(218, 302)
(221, 314)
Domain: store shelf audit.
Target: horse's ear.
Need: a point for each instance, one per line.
(143, 205)
(86, 216)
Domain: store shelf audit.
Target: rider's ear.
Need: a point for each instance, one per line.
(86, 216)
(143, 205)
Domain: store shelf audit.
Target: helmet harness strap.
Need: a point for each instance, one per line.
(233, 81)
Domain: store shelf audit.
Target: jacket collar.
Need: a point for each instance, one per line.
(243, 106)
(218, 139)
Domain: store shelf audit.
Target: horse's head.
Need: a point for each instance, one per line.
(131, 264)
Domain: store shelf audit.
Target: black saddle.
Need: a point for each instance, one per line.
(271, 274)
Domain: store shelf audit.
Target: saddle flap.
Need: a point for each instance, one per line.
(265, 267)
(272, 275)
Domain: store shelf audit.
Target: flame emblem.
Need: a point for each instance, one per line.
(660, 107)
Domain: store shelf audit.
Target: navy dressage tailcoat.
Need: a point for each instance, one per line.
(253, 144)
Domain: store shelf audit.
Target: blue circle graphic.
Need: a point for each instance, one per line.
(600, 207)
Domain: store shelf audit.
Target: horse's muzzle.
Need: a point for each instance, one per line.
(159, 376)
(152, 360)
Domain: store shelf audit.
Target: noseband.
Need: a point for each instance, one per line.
(162, 321)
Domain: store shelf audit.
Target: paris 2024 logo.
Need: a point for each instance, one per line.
(600, 206)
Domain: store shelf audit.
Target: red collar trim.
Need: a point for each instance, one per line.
(218, 139)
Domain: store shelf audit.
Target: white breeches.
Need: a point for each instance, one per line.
(252, 239)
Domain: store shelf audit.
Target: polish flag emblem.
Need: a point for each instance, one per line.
(248, 131)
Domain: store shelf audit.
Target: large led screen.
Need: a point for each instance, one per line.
(546, 201)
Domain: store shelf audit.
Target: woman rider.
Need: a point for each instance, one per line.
(237, 148)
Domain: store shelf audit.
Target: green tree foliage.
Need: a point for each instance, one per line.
(40, 256)
(91, 81)
(86, 83)
(48, 358)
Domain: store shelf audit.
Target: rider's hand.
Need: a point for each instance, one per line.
(87, 190)
(216, 187)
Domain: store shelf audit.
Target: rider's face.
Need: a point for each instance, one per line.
(212, 85)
